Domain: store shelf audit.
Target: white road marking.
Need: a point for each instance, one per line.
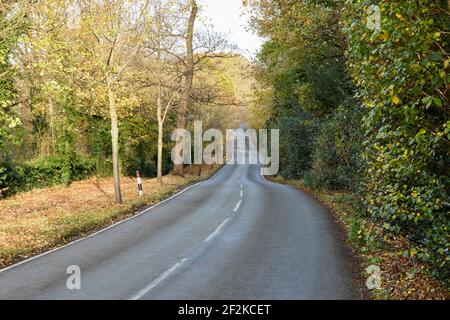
(111, 226)
(157, 281)
(212, 235)
(237, 206)
(242, 193)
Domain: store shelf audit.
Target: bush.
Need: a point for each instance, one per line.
(43, 172)
(296, 143)
(402, 72)
(11, 178)
(337, 163)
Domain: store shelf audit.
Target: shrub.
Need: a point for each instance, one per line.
(337, 163)
(296, 143)
(43, 172)
(402, 72)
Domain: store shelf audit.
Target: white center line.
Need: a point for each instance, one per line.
(237, 206)
(157, 281)
(212, 235)
(242, 193)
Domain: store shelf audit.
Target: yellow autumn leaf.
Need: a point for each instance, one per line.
(395, 99)
(399, 16)
(446, 63)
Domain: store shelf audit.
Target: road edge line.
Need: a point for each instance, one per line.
(111, 226)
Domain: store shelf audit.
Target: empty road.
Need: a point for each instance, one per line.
(234, 236)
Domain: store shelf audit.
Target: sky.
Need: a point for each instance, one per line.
(227, 17)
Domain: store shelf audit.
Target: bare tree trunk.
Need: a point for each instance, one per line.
(189, 76)
(51, 111)
(115, 143)
(158, 101)
(160, 136)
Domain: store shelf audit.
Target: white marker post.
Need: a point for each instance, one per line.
(139, 182)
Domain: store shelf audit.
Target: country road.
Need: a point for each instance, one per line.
(234, 236)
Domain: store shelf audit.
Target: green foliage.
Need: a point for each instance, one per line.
(402, 77)
(392, 142)
(44, 172)
(11, 27)
(97, 132)
(337, 164)
(8, 114)
(296, 145)
(303, 65)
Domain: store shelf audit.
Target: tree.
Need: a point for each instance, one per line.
(12, 25)
(188, 76)
(403, 84)
(300, 73)
(45, 60)
(91, 68)
(114, 37)
(166, 71)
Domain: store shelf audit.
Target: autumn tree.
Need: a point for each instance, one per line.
(12, 25)
(188, 76)
(162, 67)
(110, 36)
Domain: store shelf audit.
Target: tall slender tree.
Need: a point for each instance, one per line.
(116, 37)
(188, 77)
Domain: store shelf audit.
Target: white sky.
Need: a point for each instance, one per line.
(227, 17)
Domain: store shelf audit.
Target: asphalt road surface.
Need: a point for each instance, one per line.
(234, 236)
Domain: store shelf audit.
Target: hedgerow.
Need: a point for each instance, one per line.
(402, 74)
(43, 172)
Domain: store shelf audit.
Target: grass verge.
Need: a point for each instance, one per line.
(42, 219)
(402, 275)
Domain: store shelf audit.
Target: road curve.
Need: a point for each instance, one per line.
(235, 236)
